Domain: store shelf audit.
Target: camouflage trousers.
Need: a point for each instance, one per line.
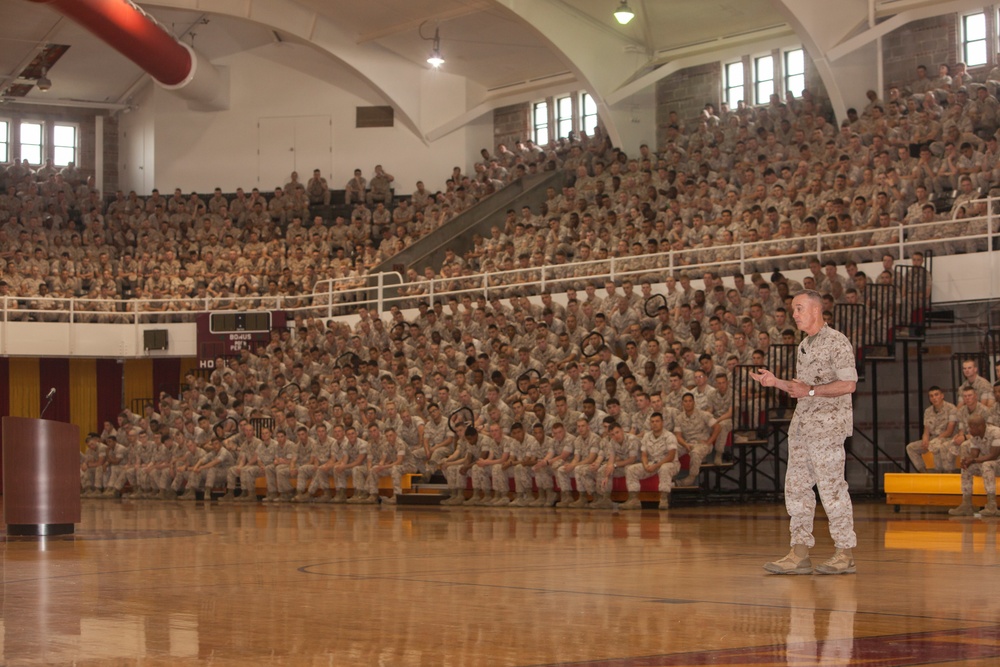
(635, 473)
(987, 470)
(819, 462)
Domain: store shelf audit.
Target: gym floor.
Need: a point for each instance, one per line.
(168, 583)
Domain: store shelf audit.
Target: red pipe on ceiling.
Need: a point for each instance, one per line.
(133, 34)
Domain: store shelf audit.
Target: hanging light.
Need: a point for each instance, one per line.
(436, 60)
(624, 13)
(43, 82)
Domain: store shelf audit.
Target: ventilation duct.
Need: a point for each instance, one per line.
(130, 31)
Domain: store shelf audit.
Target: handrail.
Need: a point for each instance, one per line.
(384, 290)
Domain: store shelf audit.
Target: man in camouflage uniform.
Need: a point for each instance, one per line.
(969, 407)
(456, 467)
(940, 420)
(658, 451)
(246, 469)
(697, 432)
(823, 419)
(983, 452)
(215, 466)
(405, 462)
(92, 466)
(561, 448)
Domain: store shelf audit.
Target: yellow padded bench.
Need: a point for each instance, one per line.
(942, 489)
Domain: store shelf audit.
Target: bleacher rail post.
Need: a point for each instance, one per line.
(379, 292)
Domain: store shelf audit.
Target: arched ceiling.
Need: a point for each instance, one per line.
(485, 41)
(504, 50)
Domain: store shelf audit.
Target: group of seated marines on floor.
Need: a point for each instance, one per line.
(964, 438)
(481, 392)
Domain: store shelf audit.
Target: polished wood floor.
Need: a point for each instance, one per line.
(158, 583)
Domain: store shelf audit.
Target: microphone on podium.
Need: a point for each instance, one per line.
(48, 401)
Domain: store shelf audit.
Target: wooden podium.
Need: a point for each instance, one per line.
(41, 476)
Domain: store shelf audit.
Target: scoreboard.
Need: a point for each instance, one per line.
(225, 334)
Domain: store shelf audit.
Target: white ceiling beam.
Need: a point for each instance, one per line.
(921, 11)
(712, 51)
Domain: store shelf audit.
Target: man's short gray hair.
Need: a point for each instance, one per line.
(812, 295)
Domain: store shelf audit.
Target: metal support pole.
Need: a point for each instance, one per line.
(875, 480)
(906, 397)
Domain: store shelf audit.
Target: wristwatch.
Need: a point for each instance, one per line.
(812, 391)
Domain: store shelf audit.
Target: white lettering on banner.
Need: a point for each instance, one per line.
(240, 336)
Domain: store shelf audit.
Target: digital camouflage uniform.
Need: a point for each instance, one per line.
(657, 449)
(816, 441)
(944, 449)
(988, 470)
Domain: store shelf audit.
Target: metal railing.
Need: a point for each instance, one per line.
(383, 291)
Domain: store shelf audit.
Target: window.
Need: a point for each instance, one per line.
(564, 117)
(734, 84)
(31, 142)
(974, 39)
(763, 79)
(4, 141)
(540, 123)
(589, 118)
(63, 145)
(795, 72)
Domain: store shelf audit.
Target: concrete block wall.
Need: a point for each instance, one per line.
(511, 124)
(688, 90)
(927, 42)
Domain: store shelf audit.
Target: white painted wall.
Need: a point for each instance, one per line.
(202, 150)
(137, 144)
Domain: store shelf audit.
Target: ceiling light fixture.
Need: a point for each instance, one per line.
(436, 60)
(43, 82)
(624, 13)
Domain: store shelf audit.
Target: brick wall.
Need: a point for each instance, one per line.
(687, 92)
(928, 42)
(84, 119)
(511, 124)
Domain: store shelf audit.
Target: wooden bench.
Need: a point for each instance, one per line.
(943, 489)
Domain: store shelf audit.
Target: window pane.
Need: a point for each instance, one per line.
(975, 53)
(62, 156)
(64, 135)
(31, 133)
(542, 136)
(33, 154)
(796, 83)
(764, 90)
(734, 74)
(975, 27)
(765, 68)
(541, 113)
(4, 141)
(589, 105)
(794, 62)
(565, 108)
(590, 124)
(735, 95)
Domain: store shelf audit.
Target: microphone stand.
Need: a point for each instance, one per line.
(47, 404)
